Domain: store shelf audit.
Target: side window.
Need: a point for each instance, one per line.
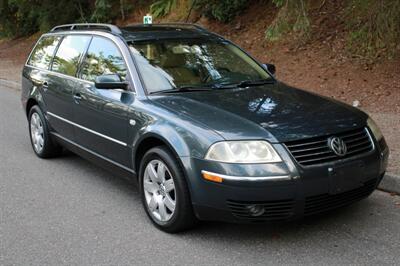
(103, 57)
(44, 51)
(68, 54)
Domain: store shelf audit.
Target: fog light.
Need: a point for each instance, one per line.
(255, 210)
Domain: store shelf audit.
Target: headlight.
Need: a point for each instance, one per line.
(243, 152)
(375, 129)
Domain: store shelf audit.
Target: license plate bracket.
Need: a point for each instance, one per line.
(345, 177)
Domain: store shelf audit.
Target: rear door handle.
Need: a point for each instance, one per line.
(77, 97)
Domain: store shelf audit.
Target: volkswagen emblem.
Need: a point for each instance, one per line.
(338, 146)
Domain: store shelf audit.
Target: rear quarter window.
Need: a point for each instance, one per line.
(43, 52)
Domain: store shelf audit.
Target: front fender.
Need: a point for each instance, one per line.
(184, 137)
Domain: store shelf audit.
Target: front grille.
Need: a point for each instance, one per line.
(325, 202)
(316, 150)
(273, 210)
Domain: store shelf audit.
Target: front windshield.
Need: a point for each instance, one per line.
(174, 64)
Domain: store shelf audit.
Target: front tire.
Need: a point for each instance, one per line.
(39, 133)
(164, 191)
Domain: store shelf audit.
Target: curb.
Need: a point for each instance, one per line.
(10, 84)
(390, 183)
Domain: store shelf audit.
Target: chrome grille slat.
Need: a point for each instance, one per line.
(311, 143)
(355, 140)
(315, 150)
(361, 143)
(318, 159)
(349, 135)
(314, 154)
(310, 149)
(359, 150)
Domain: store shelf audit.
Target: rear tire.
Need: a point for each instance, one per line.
(164, 191)
(42, 143)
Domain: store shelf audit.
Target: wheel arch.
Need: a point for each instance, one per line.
(29, 104)
(148, 141)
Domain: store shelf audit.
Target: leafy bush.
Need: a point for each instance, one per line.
(292, 16)
(24, 17)
(221, 10)
(374, 28)
(161, 8)
(101, 12)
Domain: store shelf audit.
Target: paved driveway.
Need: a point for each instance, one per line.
(66, 211)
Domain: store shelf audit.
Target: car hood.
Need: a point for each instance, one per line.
(276, 112)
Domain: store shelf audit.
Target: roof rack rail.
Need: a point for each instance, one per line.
(86, 26)
(172, 24)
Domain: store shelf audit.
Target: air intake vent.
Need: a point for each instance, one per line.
(325, 202)
(316, 150)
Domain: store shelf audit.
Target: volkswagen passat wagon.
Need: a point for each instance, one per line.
(205, 129)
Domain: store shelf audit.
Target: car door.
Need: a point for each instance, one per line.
(61, 83)
(54, 100)
(102, 113)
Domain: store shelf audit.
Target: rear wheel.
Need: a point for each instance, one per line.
(42, 144)
(164, 191)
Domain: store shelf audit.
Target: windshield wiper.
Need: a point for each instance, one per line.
(183, 89)
(244, 84)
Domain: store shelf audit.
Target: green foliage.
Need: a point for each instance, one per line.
(221, 10)
(24, 17)
(278, 3)
(101, 12)
(292, 17)
(161, 8)
(374, 28)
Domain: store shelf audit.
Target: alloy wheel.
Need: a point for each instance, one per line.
(37, 134)
(159, 191)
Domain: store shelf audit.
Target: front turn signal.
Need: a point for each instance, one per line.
(210, 177)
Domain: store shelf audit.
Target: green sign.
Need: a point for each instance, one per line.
(147, 19)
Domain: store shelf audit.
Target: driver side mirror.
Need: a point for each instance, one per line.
(110, 81)
(271, 68)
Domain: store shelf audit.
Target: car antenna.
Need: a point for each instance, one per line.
(190, 11)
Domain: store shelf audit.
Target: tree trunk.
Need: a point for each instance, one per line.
(121, 3)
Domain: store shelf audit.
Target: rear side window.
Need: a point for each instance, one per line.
(68, 54)
(43, 52)
(103, 57)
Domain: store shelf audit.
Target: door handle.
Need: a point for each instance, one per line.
(45, 85)
(77, 97)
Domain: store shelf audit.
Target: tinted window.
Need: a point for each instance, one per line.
(68, 54)
(43, 53)
(103, 57)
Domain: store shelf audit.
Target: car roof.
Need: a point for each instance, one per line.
(144, 32)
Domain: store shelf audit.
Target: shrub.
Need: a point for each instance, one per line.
(221, 10)
(161, 8)
(374, 28)
(292, 17)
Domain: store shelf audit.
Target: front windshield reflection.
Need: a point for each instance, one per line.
(171, 64)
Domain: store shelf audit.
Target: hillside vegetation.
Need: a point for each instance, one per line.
(372, 27)
(335, 48)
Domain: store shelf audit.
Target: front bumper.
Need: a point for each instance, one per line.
(306, 191)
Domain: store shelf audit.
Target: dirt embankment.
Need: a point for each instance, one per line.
(321, 64)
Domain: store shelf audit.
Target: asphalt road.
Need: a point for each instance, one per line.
(66, 211)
